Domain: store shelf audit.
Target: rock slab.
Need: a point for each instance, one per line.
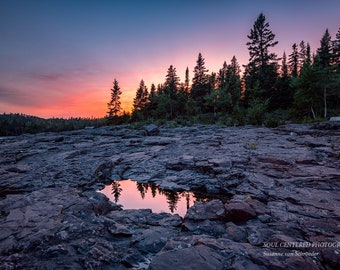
(264, 190)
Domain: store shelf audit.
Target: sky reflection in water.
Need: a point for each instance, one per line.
(133, 195)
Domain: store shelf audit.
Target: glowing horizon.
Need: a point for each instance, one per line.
(60, 59)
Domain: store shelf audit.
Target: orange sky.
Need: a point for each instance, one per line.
(59, 59)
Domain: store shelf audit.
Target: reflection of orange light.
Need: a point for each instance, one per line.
(131, 198)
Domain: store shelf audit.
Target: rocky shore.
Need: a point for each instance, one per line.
(275, 198)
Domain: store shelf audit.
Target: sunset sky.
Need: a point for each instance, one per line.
(59, 58)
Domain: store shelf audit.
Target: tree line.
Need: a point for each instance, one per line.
(16, 124)
(304, 84)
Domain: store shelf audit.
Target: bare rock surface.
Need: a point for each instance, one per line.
(275, 198)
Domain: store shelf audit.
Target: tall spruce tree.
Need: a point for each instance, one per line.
(200, 83)
(336, 52)
(114, 105)
(261, 72)
(140, 101)
(171, 87)
(171, 82)
(303, 53)
(233, 81)
(187, 81)
(151, 105)
(325, 51)
(284, 95)
(293, 61)
(221, 76)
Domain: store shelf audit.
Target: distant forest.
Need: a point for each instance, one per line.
(16, 124)
(300, 86)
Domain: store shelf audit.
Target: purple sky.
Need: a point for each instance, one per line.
(59, 58)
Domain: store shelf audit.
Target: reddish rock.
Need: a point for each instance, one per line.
(239, 212)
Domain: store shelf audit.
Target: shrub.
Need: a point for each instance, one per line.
(256, 111)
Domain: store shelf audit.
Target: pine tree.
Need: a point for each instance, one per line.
(187, 81)
(152, 91)
(262, 39)
(284, 95)
(221, 77)
(261, 72)
(151, 106)
(200, 83)
(294, 61)
(171, 86)
(302, 54)
(171, 82)
(141, 97)
(325, 50)
(284, 67)
(114, 105)
(336, 52)
(233, 81)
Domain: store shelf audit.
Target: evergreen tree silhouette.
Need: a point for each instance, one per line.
(114, 105)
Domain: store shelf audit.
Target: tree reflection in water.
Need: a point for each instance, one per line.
(116, 190)
(172, 197)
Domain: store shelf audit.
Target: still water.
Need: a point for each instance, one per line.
(133, 195)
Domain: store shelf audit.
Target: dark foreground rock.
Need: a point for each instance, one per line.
(274, 199)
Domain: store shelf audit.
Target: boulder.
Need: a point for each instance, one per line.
(212, 210)
(151, 130)
(239, 212)
(335, 118)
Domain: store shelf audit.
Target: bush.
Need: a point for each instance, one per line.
(256, 112)
(276, 118)
(239, 115)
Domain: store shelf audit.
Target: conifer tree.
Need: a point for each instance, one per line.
(171, 86)
(152, 91)
(284, 95)
(186, 81)
(261, 72)
(294, 61)
(200, 83)
(336, 52)
(303, 53)
(234, 81)
(222, 73)
(325, 50)
(141, 97)
(151, 106)
(171, 82)
(114, 105)
(284, 67)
